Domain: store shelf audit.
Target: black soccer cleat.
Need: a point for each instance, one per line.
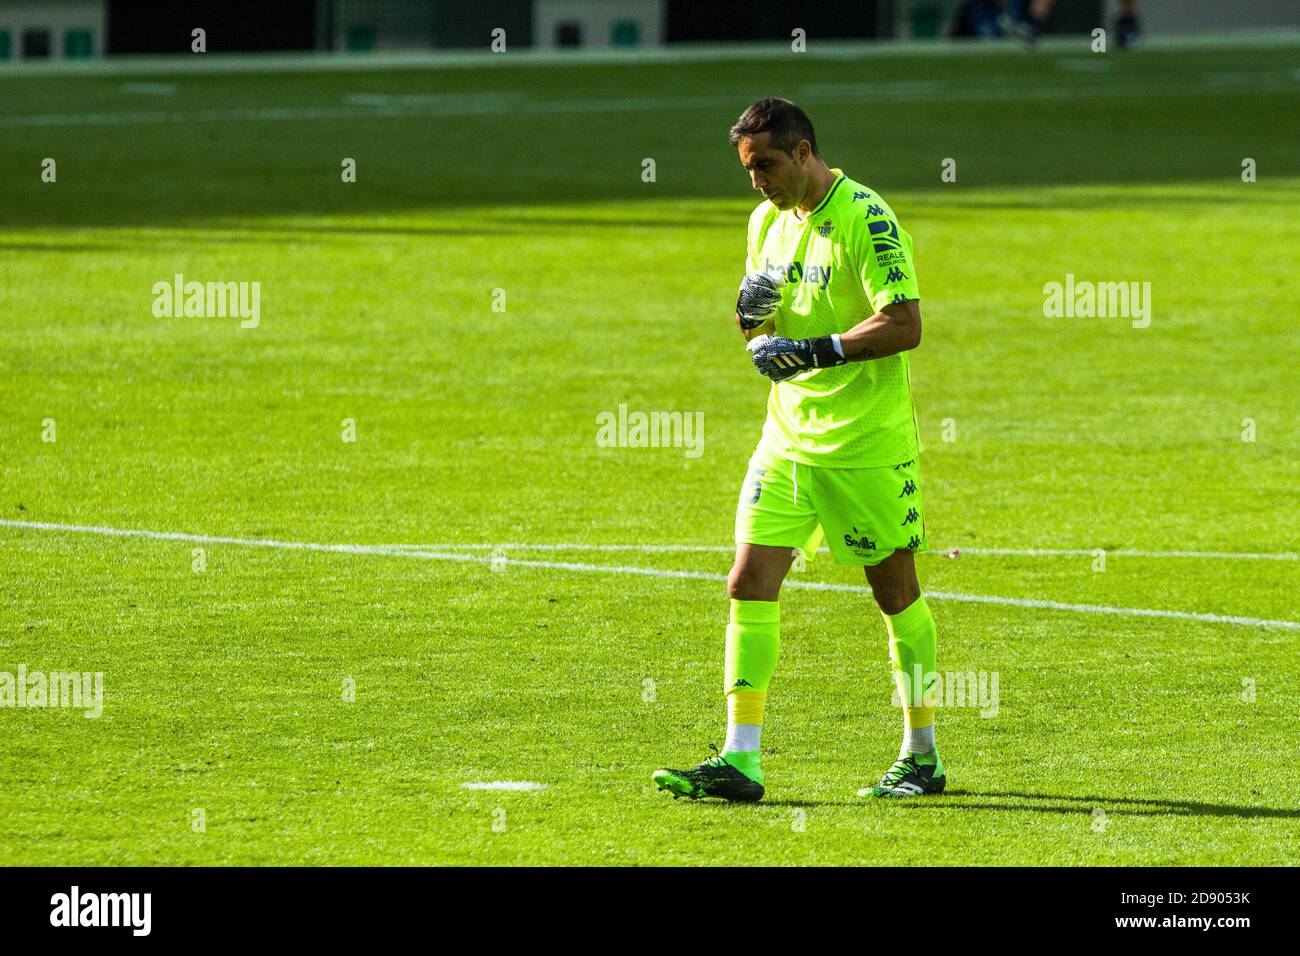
(713, 778)
(908, 778)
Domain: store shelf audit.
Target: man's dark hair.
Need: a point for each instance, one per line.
(786, 123)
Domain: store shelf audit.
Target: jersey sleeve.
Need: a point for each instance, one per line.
(883, 251)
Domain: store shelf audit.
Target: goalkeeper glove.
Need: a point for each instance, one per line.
(760, 294)
(780, 358)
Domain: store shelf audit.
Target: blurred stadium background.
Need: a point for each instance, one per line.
(37, 30)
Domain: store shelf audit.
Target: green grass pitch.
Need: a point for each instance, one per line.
(1119, 738)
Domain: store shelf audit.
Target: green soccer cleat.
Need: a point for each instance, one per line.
(909, 778)
(713, 778)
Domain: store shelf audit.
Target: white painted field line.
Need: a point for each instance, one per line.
(242, 542)
(520, 546)
(504, 785)
(624, 569)
(728, 549)
(1130, 553)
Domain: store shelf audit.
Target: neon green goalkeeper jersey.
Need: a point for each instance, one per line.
(842, 263)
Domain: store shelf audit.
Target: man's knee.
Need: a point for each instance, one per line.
(747, 583)
(894, 584)
(896, 597)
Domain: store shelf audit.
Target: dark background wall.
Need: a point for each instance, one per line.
(164, 26)
(770, 19)
(469, 23)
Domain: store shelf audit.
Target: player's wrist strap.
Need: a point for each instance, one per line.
(827, 351)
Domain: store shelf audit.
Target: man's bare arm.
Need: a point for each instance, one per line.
(895, 328)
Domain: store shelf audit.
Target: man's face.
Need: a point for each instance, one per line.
(781, 177)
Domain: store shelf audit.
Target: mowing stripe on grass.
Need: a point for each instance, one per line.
(625, 569)
(508, 104)
(505, 785)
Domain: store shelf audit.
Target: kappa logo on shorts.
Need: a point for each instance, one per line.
(861, 543)
(909, 488)
(914, 543)
(912, 515)
(906, 464)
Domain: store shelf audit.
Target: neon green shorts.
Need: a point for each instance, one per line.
(863, 514)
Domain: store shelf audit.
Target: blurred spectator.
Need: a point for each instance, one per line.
(978, 18)
(1127, 27)
(986, 19)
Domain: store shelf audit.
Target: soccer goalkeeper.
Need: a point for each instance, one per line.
(831, 278)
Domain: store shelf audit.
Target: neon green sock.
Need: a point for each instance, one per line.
(753, 641)
(753, 644)
(746, 761)
(913, 653)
